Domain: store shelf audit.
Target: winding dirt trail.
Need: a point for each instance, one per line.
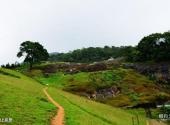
(59, 118)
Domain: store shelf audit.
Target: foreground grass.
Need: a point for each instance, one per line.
(22, 99)
(80, 111)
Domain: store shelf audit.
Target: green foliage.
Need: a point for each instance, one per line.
(165, 110)
(34, 51)
(93, 54)
(104, 79)
(135, 88)
(11, 66)
(155, 47)
(85, 81)
(134, 97)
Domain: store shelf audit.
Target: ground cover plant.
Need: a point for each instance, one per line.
(22, 99)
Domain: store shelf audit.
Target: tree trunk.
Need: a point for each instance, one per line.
(30, 68)
(148, 112)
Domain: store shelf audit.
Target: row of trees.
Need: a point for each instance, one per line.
(155, 47)
(93, 54)
(11, 66)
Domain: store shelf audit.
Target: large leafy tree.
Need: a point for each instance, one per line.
(34, 52)
(155, 47)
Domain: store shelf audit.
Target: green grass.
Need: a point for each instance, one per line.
(22, 99)
(80, 79)
(80, 111)
(135, 88)
(56, 80)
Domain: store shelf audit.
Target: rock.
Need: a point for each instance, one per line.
(159, 72)
(107, 92)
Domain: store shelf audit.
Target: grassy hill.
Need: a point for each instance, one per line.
(21, 99)
(80, 111)
(134, 88)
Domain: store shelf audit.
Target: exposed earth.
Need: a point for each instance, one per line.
(59, 118)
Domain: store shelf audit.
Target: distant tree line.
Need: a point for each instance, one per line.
(155, 47)
(93, 54)
(11, 66)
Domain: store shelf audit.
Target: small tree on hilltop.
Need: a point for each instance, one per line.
(33, 52)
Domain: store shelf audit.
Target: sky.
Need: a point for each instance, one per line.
(64, 25)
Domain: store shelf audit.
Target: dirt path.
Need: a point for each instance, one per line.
(59, 118)
(154, 122)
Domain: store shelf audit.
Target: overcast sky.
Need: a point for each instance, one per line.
(63, 25)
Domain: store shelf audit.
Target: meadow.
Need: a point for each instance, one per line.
(22, 99)
(135, 88)
(80, 111)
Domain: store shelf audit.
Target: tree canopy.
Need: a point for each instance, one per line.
(93, 54)
(34, 52)
(155, 47)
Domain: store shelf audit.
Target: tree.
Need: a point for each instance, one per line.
(33, 52)
(155, 47)
(130, 53)
(95, 54)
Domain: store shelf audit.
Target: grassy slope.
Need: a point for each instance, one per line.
(135, 88)
(22, 99)
(80, 111)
